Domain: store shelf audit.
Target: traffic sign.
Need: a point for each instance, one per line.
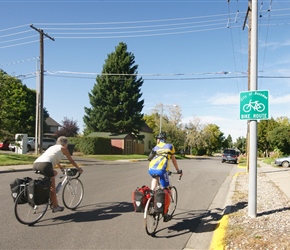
(254, 105)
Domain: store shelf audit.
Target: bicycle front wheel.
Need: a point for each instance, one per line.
(73, 193)
(26, 213)
(151, 218)
(173, 200)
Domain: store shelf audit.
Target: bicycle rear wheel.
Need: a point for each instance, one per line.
(73, 193)
(173, 201)
(26, 213)
(151, 218)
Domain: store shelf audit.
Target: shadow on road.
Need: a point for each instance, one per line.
(99, 211)
(94, 212)
(198, 221)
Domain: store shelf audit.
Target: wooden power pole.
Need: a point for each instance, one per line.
(40, 94)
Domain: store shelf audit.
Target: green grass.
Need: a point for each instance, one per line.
(124, 157)
(24, 159)
(116, 157)
(268, 160)
(16, 159)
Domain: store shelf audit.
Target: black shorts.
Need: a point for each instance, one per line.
(45, 168)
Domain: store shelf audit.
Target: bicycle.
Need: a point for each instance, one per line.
(152, 218)
(72, 195)
(260, 107)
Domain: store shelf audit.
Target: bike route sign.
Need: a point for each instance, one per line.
(254, 105)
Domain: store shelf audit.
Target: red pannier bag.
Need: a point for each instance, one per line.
(162, 200)
(140, 197)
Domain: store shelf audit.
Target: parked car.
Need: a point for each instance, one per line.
(46, 143)
(230, 155)
(283, 161)
(4, 145)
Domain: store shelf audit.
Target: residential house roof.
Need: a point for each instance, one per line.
(50, 122)
(109, 135)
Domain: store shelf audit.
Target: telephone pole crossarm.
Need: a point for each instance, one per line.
(41, 31)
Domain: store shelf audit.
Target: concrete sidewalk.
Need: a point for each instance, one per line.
(278, 175)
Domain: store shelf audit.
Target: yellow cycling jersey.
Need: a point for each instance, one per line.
(162, 158)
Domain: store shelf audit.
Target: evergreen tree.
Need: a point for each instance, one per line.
(114, 99)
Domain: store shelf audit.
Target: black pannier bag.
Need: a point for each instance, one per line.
(38, 191)
(17, 186)
(162, 200)
(140, 197)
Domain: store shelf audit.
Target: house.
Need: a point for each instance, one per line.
(147, 132)
(128, 143)
(52, 125)
(121, 143)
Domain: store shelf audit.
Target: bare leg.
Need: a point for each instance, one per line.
(53, 192)
(153, 183)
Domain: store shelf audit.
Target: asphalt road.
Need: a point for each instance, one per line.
(106, 220)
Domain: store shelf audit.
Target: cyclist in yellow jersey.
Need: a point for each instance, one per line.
(159, 161)
(159, 164)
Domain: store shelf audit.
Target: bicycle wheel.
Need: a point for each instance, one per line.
(73, 193)
(173, 200)
(247, 108)
(151, 218)
(261, 107)
(26, 213)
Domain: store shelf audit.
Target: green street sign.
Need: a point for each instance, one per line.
(254, 105)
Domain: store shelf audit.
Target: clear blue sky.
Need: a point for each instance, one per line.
(182, 48)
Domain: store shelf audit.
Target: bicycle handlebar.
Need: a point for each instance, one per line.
(180, 174)
(64, 171)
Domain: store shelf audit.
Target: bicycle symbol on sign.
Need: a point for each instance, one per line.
(260, 107)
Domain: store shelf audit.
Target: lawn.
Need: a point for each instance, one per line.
(16, 159)
(26, 159)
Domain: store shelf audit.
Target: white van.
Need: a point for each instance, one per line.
(46, 143)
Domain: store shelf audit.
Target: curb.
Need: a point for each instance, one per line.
(217, 242)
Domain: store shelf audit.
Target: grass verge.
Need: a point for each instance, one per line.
(25, 159)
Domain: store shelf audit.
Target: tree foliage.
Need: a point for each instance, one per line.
(264, 128)
(69, 128)
(279, 138)
(213, 138)
(241, 144)
(17, 107)
(115, 98)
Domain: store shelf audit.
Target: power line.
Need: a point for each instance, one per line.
(161, 27)
(20, 61)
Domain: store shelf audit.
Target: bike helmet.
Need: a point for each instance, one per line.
(161, 136)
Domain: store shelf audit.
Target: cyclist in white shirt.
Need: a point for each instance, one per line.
(48, 160)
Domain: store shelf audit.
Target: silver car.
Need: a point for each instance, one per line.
(283, 161)
(230, 155)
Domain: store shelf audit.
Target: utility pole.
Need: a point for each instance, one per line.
(253, 123)
(40, 95)
(253, 83)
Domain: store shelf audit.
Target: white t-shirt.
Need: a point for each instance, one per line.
(53, 154)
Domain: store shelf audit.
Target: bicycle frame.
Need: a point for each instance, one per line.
(67, 178)
(72, 196)
(151, 218)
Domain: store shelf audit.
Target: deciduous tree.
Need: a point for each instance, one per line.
(17, 107)
(69, 128)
